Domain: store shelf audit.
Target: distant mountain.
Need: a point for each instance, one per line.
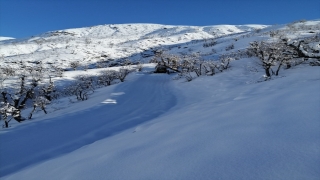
(113, 42)
(5, 38)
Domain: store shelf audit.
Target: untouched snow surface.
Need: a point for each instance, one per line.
(233, 125)
(222, 127)
(128, 105)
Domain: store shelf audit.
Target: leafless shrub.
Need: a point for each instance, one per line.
(186, 74)
(74, 65)
(81, 88)
(209, 44)
(267, 54)
(40, 102)
(122, 73)
(56, 71)
(7, 70)
(211, 67)
(225, 60)
(7, 112)
(230, 47)
(107, 77)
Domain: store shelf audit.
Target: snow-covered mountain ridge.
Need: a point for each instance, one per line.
(5, 38)
(109, 42)
(114, 43)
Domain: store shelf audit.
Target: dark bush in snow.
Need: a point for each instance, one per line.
(286, 52)
(81, 88)
(107, 77)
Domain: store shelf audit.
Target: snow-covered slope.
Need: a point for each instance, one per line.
(108, 42)
(224, 127)
(233, 125)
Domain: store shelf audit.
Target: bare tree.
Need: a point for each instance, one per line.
(7, 70)
(107, 77)
(17, 95)
(225, 61)
(286, 52)
(186, 74)
(191, 64)
(171, 62)
(268, 53)
(210, 67)
(122, 73)
(41, 102)
(81, 88)
(48, 90)
(304, 48)
(8, 112)
(28, 86)
(196, 64)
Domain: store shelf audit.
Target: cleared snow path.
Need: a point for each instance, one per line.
(130, 104)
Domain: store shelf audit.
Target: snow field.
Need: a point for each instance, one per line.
(233, 125)
(220, 127)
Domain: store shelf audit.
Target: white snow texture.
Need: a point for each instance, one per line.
(227, 126)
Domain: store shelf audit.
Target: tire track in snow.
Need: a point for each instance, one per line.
(134, 102)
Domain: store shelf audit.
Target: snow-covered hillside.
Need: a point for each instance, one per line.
(233, 124)
(110, 42)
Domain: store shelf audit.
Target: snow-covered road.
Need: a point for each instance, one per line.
(129, 105)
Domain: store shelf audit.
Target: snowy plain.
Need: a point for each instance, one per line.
(228, 126)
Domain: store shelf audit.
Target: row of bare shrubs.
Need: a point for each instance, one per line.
(192, 66)
(33, 87)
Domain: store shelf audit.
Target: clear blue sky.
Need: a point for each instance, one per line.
(23, 18)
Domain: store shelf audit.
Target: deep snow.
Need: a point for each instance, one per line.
(232, 125)
(128, 105)
(223, 127)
